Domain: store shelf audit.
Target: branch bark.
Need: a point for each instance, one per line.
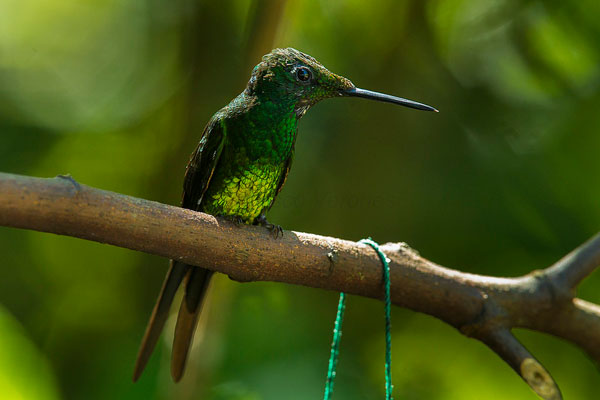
(482, 307)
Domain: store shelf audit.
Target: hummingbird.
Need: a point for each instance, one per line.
(239, 167)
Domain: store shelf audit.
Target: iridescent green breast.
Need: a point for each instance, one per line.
(259, 141)
(244, 191)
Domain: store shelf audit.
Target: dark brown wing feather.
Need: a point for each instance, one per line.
(196, 286)
(159, 316)
(202, 164)
(199, 171)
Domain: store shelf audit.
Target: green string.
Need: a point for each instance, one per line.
(335, 346)
(388, 316)
(337, 329)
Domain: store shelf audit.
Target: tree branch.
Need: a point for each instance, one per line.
(520, 359)
(575, 266)
(482, 307)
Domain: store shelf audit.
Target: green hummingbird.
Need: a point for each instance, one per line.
(239, 167)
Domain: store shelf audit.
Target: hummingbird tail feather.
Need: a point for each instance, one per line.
(176, 273)
(191, 306)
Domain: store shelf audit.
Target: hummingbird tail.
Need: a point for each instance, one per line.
(197, 283)
(176, 273)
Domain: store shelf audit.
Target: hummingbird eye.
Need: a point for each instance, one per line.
(303, 74)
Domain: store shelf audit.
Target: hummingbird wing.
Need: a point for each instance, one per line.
(202, 164)
(198, 173)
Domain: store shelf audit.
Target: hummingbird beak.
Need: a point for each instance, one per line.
(368, 94)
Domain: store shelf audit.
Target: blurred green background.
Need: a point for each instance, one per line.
(505, 179)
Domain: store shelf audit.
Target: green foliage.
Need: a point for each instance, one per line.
(502, 181)
(24, 372)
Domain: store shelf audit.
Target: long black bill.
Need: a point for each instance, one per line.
(367, 94)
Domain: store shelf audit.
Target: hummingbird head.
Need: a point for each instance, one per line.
(289, 75)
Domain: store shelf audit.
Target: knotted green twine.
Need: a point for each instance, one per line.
(337, 329)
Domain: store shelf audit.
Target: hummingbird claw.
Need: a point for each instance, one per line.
(234, 219)
(276, 230)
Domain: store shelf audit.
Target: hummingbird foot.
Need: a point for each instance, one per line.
(276, 230)
(234, 219)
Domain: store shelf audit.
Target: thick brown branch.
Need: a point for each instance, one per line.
(479, 306)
